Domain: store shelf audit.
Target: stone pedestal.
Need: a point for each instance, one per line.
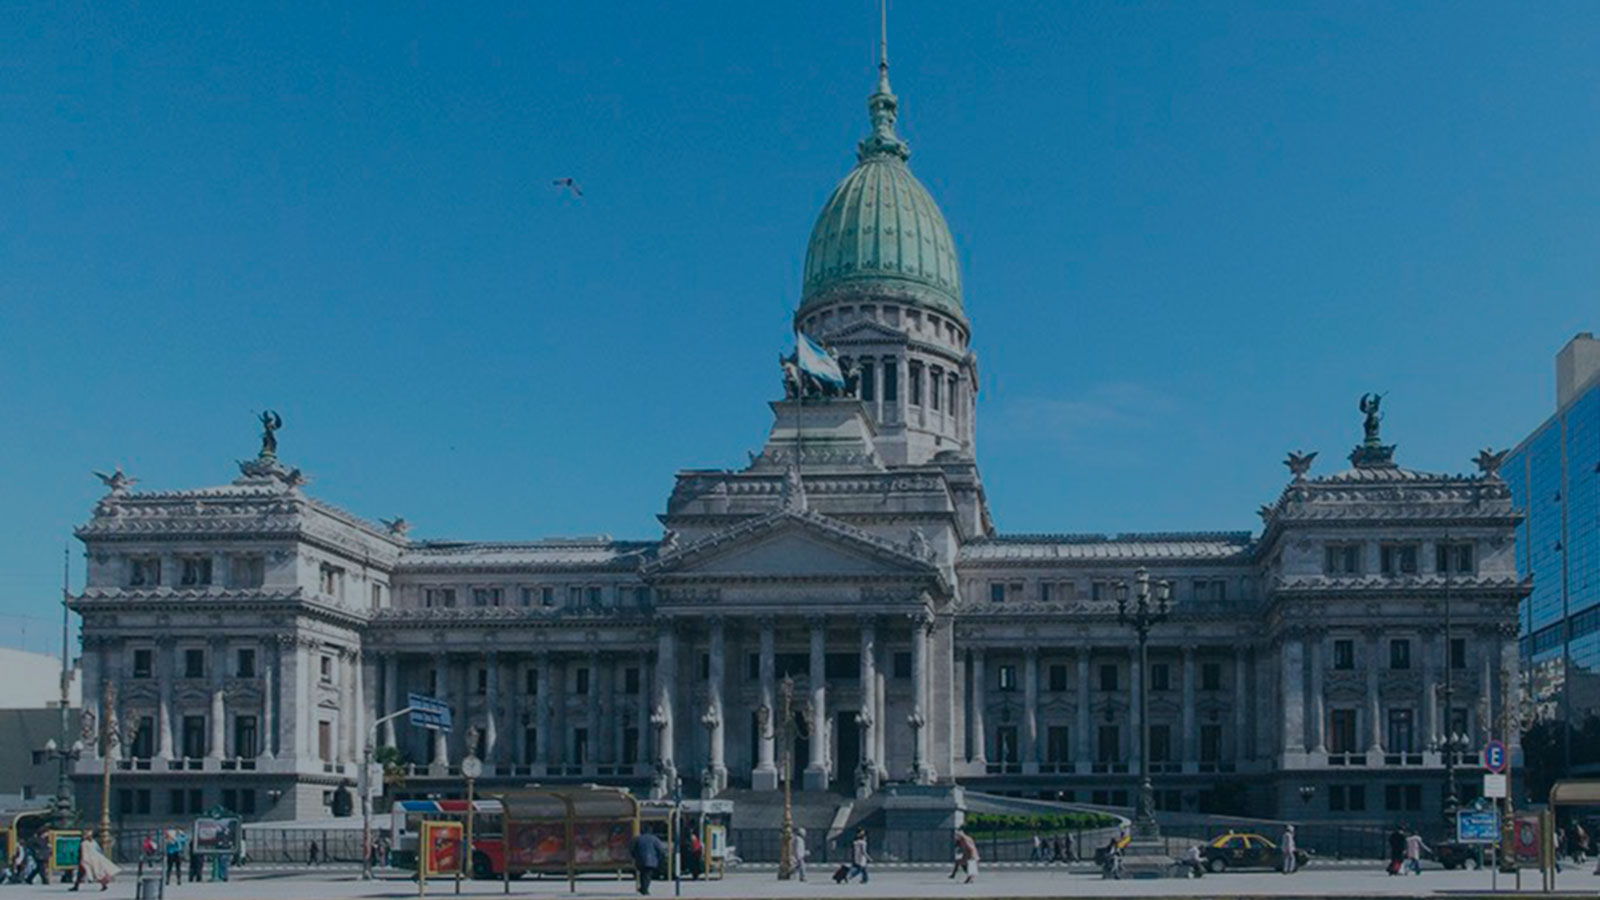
(1147, 858)
(928, 814)
(764, 779)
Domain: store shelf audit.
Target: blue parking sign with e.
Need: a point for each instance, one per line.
(1494, 756)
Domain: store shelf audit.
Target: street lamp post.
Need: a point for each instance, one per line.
(1451, 742)
(109, 739)
(64, 757)
(1150, 608)
(786, 730)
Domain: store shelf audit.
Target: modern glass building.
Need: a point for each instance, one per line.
(1554, 475)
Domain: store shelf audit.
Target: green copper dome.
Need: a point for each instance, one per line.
(880, 230)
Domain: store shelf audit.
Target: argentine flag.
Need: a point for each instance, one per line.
(815, 361)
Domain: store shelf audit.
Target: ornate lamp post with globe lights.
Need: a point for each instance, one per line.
(1151, 606)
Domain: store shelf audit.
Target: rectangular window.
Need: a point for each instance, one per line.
(141, 801)
(143, 663)
(1058, 677)
(245, 663)
(325, 741)
(914, 375)
(244, 737)
(593, 596)
(1210, 676)
(175, 801)
(144, 738)
(1398, 559)
(1005, 744)
(902, 665)
(581, 680)
(1008, 678)
(1108, 677)
(1161, 743)
(630, 680)
(574, 597)
(247, 570)
(247, 802)
(439, 597)
(194, 663)
(1108, 744)
(630, 746)
(580, 746)
(1046, 592)
(1400, 653)
(935, 379)
(144, 571)
(891, 381)
(1342, 731)
(1210, 743)
(482, 686)
(332, 582)
(841, 667)
(1342, 559)
(997, 592)
(547, 597)
(124, 802)
(1453, 558)
(194, 571)
(530, 681)
(194, 737)
(867, 389)
(530, 745)
(1401, 734)
(1458, 653)
(1057, 747)
(1344, 654)
(1160, 677)
(527, 594)
(487, 596)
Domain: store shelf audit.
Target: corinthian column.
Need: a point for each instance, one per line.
(1374, 701)
(867, 715)
(219, 730)
(1319, 743)
(491, 710)
(666, 690)
(1030, 710)
(765, 775)
(980, 729)
(1190, 757)
(716, 725)
(441, 686)
(816, 774)
(921, 624)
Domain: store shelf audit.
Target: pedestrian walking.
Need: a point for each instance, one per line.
(93, 864)
(172, 846)
(313, 853)
(1037, 855)
(647, 851)
(858, 855)
(1194, 860)
(967, 855)
(1414, 850)
(797, 853)
(697, 855)
(1397, 851)
(197, 865)
(1288, 849)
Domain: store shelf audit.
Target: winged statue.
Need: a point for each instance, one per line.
(117, 481)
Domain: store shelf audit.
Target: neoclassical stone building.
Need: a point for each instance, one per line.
(252, 633)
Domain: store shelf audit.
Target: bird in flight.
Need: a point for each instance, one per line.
(569, 183)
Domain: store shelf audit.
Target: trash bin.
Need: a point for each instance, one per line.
(149, 888)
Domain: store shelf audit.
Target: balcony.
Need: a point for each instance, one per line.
(186, 764)
(238, 764)
(1347, 759)
(1402, 759)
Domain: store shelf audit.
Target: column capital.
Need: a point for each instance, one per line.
(817, 620)
(867, 620)
(767, 620)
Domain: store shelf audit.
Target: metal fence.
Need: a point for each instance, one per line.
(261, 845)
(763, 845)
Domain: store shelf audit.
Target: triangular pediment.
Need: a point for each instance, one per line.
(793, 545)
(866, 332)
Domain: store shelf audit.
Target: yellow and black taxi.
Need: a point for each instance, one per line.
(1243, 850)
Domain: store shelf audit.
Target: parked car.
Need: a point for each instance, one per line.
(1240, 850)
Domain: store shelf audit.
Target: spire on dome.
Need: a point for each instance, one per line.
(883, 105)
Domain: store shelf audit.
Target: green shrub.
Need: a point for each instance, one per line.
(1020, 823)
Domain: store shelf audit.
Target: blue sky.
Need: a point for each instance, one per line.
(1192, 234)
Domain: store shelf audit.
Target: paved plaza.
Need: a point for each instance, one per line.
(1328, 880)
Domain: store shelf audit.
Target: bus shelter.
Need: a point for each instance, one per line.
(17, 826)
(1578, 792)
(568, 830)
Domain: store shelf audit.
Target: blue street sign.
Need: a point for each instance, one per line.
(1494, 757)
(429, 712)
(1475, 826)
